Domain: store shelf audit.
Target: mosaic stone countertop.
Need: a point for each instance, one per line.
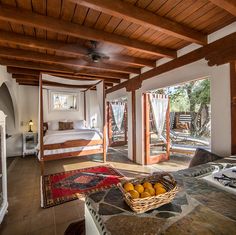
(198, 208)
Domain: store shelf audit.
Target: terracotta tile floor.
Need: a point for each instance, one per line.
(24, 213)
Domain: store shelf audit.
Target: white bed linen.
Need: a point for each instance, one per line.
(54, 137)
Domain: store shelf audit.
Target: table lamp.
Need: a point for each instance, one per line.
(30, 125)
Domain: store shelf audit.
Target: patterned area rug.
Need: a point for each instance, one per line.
(67, 186)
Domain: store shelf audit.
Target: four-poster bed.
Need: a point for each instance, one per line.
(159, 106)
(59, 144)
(117, 114)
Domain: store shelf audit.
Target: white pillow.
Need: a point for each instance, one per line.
(53, 125)
(79, 124)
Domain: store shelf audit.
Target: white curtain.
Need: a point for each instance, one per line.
(100, 95)
(118, 109)
(88, 114)
(159, 104)
(39, 115)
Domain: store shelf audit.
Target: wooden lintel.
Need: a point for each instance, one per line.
(188, 58)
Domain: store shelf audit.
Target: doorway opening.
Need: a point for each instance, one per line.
(189, 119)
(117, 117)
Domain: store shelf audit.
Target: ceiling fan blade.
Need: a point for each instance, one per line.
(75, 49)
(108, 48)
(105, 57)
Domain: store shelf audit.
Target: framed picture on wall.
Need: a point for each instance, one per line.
(63, 101)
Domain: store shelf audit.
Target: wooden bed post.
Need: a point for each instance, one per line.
(109, 122)
(41, 125)
(85, 106)
(104, 125)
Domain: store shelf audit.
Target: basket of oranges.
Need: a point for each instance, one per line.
(144, 194)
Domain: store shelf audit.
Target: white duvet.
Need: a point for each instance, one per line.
(53, 137)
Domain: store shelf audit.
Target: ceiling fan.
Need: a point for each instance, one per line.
(94, 55)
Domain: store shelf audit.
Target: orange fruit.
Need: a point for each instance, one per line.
(128, 187)
(134, 194)
(151, 191)
(145, 194)
(139, 188)
(160, 190)
(157, 185)
(147, 185)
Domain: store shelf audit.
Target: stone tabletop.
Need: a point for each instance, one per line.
(198, 208)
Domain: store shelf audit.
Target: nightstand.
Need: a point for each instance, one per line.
(30, 141)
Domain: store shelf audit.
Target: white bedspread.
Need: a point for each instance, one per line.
(54, 137)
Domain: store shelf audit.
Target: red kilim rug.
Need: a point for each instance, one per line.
(67, 186)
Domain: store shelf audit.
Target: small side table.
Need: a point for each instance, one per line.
(30, 141)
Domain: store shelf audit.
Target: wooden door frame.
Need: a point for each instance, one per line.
(148, 159)
(233, 106)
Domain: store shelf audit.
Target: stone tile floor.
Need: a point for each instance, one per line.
(26, 217)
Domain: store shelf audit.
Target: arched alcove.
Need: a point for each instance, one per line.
(6, 105)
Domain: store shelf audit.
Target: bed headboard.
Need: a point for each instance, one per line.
(45, 127)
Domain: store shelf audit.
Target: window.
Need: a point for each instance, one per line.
(63, 101)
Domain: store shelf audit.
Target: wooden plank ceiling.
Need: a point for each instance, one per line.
(56, 36)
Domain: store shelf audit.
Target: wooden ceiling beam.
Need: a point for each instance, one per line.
(25, 17)
(23, 71)
(228, 5)
(20, 80)
(106, 74)
(71, 76)
(26, 77)
(132, 60)
(49, 83)
(27, 84)
(198, 54)
(61, 69)
(129, 12)
(26, 81)
(46, 58)
(68, 49)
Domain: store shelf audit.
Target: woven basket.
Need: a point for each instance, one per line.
(141, 205)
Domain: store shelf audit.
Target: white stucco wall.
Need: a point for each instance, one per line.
(26, 103)
(220, 103)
